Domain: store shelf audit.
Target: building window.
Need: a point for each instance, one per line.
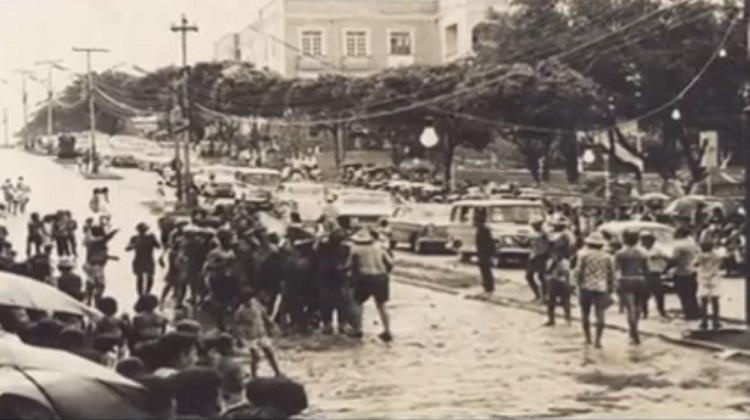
(312, 43)
(400, 43)
(355, 43)
(451, 40)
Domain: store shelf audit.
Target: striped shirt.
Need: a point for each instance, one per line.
(595, 271)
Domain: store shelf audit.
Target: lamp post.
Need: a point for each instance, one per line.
(429, 139)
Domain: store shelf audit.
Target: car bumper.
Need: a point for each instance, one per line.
(433, 241)
(521, 253)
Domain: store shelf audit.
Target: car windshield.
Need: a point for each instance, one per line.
(364, 199)
(308, 190)
(663, 234)
(260, 179)
(432, 213)
(515, 214)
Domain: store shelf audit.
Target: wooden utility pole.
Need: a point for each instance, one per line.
(5, 120)
(51, 64)
(92, 106)
(25, 100)
(184, 28)
(746, 160)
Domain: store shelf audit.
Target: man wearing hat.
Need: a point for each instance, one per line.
(594, 276)
(370, 268)
(539, 243)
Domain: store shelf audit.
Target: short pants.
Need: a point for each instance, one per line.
(375, 286)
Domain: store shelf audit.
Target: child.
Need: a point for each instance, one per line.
(148, 324)
(251, 322)
(69, 282)
(708, 265)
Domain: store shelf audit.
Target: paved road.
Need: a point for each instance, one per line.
(451, 357)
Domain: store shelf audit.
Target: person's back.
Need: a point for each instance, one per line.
(684, 254)
(631, 263)
(71, 284)
(595, 270)
(149, 325)
(370, 260)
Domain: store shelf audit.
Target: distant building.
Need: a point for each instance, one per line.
(304, 38)
(227, 48)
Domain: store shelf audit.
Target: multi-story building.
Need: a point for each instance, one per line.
(304, 38)
(227, 48)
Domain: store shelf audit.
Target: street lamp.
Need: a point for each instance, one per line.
(429, 137)
(676, 114)
(723, 53)
(589, 157)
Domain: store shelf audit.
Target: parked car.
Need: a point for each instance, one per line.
(124, 161)
(508, 219)
(421, 226)
(365, 208)
(307, 198)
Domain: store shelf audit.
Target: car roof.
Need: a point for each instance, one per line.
(497, 202)
(634, 224)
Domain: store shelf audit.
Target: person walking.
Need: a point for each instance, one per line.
(370, 268)
(594, 276)
(657, 265)
(535, 268)
(485, 246)
(709, 281)
(631, 268)
(557, 273)
(683, 260)
(143, 244)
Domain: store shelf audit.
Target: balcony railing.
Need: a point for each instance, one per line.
(306, 63)
(359, 63)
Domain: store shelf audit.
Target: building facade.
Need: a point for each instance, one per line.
(227, 48)
(305, 38)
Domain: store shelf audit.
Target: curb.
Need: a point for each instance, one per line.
(737, 354)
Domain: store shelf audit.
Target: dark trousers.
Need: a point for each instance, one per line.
(63, 246)
(559, 292)
(485, 270)
(333, 299)
(535, 269)
(655, 290)
(687, 290)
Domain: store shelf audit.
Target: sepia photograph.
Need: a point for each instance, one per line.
(374, 209)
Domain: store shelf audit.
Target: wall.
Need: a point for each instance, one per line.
(377, 17)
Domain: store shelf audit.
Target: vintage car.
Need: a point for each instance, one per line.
(306, 198)
(124, 161)
(664, 233)
(216, 181)
(266, 179)
(422, 226)
(508, 219)
(365, 208)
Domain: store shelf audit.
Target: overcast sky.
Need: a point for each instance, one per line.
(136, 31)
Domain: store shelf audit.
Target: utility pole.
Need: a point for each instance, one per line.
(746, 160)
(184, 28)
(50, 92)
(92, 106)
(5, 120)
(25, 100)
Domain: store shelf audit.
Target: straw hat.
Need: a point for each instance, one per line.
(595, 239)
(363, 236)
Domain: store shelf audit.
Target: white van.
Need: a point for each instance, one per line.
(508, 219)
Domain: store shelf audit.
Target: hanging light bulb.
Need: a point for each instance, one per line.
(722, 53)
(588, 157)
(676, 114)
(429, 137)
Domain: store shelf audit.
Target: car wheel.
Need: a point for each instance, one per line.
(464, 257)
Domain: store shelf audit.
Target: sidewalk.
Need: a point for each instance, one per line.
(511, 290)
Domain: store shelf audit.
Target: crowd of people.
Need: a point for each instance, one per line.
(570, 256)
